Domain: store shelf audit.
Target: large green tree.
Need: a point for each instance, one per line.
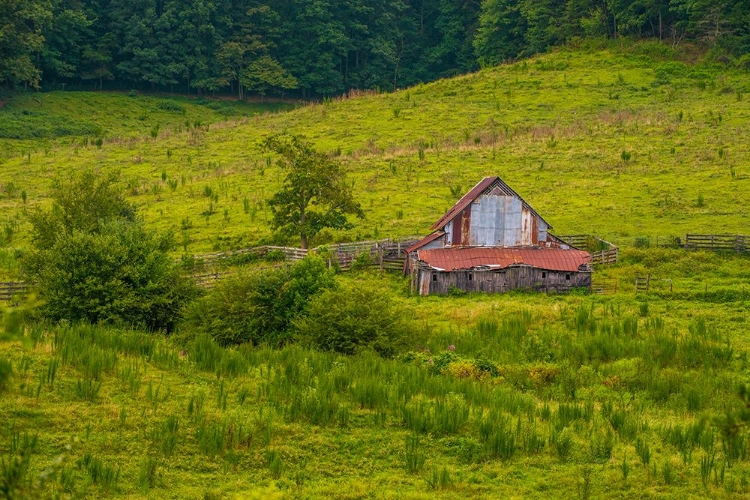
(264, 74)
(21, 23)
(315, 194)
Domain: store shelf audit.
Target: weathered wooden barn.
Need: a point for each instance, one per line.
(493, 241)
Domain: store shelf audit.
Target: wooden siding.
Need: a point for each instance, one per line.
(513, 278)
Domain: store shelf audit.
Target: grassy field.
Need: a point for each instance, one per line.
(542, 396)
(622, 144)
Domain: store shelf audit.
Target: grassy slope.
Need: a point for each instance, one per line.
(357, 447)
(595, 105)
(555, 128)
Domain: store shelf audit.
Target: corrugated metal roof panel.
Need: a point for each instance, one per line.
(553, 259)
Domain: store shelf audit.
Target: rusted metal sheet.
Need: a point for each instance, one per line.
(526, 227)
(554, 259)
(462, 227)
(464, 202)
(465, 225)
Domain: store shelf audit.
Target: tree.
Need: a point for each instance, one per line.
(315, 194)
(501, 31)
(94, 261)
(21, 23)
(354, 316)
(120, 275)
(79, 204)
(265, 73)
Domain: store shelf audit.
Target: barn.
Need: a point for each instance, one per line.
(492, 241)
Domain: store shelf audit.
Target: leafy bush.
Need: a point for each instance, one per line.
(94, 261)
(354, 316)
(122, 275)
(171, 106)
(80, 204)
(259, 307)
(27, 124)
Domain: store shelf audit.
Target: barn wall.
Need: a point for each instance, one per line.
(523, 277)
(438, 243)
(499, 220)
(496, 220)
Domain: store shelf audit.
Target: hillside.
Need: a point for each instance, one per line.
(516, 395)
(596, 141)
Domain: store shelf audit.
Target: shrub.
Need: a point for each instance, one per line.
(354, 316)
(259, 307)
(122, 275)
(80, 203)
(94, 261)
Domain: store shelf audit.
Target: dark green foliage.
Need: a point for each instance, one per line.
(36, 124)
(328, 47)
(352, 317)
(6, 370)
(22, 22)
(95, 262)
(123, 275)
(80, 203)
(260, 307)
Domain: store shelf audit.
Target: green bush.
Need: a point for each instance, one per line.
(94, 261)
(259, 307)
(80, 203)
(354, 316)
(122, 275)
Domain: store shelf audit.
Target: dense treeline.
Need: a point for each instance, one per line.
(321, 47)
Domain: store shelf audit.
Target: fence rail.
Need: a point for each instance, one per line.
(723, 242)
(602, 252)
(386, 254)
(604, 286)
(10, 290)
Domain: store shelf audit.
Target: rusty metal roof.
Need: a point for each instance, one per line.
(427, 239)
(553, 259)
(475, 192)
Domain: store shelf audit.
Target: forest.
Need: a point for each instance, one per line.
(311, 48)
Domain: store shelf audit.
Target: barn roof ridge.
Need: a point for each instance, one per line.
(475, 192)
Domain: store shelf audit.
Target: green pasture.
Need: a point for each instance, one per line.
(622, 144)
(518, 395)
(543, 397)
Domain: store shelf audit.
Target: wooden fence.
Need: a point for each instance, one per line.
(386, 254)
(604, 286)
(11, 290)
(721, 242)
(602, 252)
